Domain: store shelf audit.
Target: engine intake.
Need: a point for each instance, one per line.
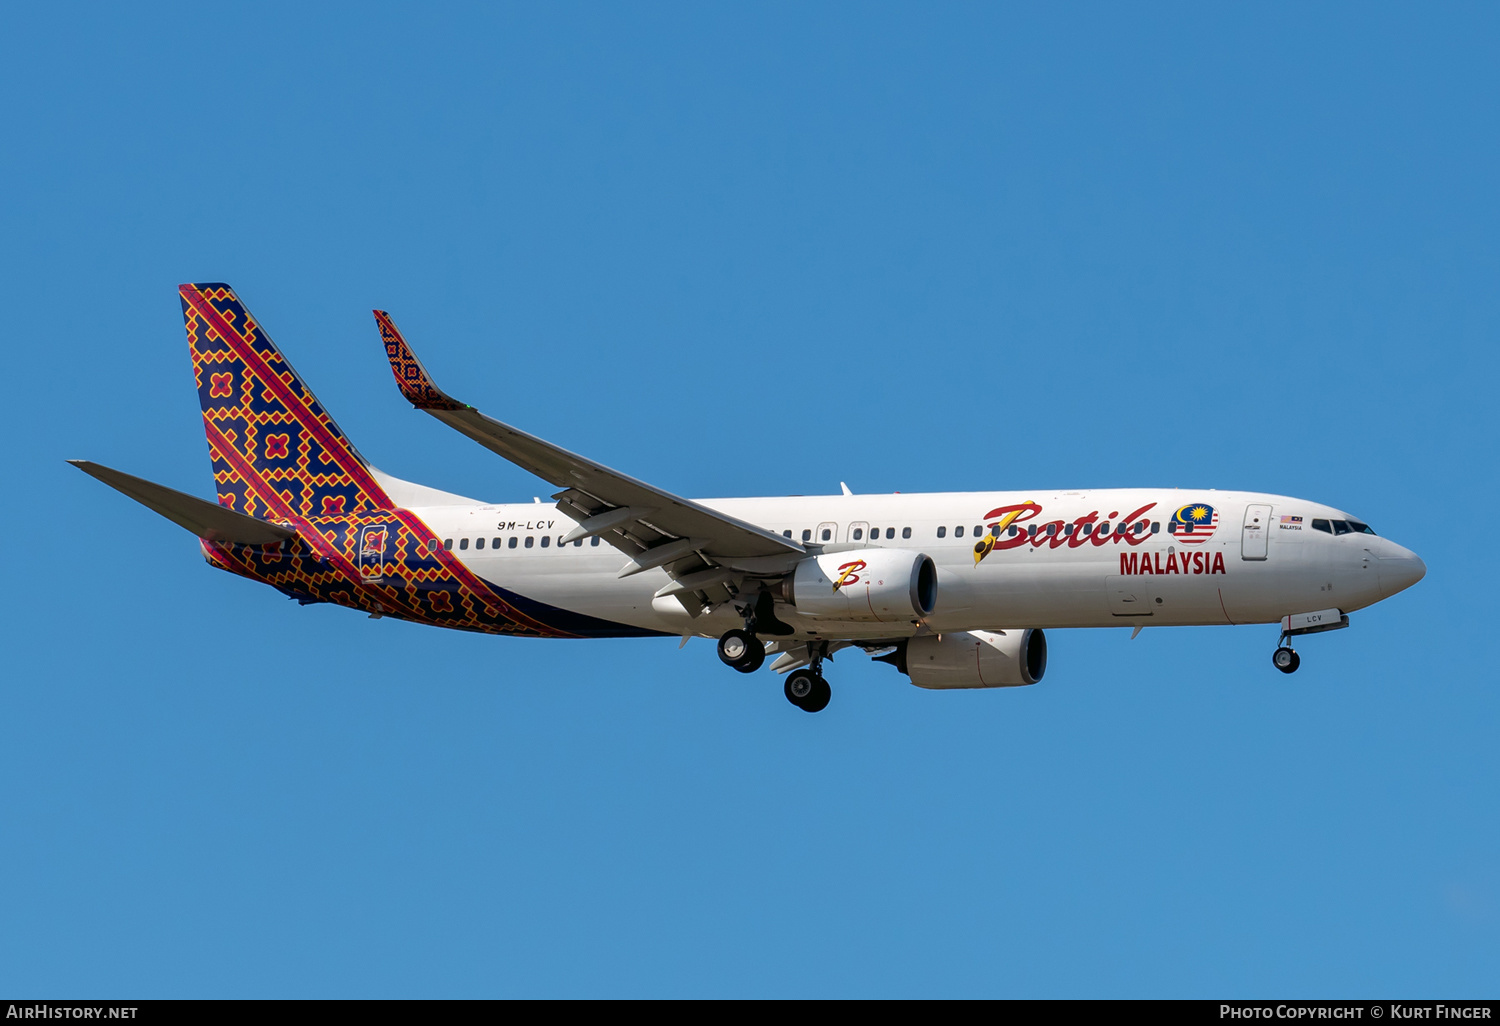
(863, 585)
(977, 659)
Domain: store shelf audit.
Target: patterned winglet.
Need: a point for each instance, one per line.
(411, 377)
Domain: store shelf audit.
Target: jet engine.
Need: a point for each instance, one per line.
(864, 585)
(976, 659)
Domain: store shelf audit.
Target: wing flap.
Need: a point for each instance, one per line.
(205, 519)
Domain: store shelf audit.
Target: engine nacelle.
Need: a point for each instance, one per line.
(865, 585)
(977, 659)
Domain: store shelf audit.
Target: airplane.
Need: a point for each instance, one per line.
(953, 589)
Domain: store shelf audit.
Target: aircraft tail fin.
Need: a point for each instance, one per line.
(203, 518)
(276, 452)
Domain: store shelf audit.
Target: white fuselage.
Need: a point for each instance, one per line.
(1051, 566)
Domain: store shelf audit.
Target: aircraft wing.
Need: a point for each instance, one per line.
(205, 519)
(705, 552)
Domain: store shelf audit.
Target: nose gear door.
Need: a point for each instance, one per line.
(1256, 531)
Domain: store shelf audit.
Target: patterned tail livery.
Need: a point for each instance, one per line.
(276, 452)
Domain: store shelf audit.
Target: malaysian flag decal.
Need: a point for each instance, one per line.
(1194, 524)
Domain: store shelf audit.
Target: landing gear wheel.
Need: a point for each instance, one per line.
(1285, 660)
(742, 650)
(808, 691)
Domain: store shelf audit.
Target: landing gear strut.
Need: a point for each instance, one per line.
(741, 650)
(1285, 659)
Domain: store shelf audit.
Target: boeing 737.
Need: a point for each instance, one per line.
(953, 589)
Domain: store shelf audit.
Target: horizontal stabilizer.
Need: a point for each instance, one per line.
(205, 519)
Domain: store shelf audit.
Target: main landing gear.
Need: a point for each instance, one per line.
(807, 690)
(742, 650)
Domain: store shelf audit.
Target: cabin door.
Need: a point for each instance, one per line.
(376, 544)
(1256, 531)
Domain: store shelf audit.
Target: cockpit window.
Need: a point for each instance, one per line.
(1322, 525)
(1358, 528)
(1339, 527)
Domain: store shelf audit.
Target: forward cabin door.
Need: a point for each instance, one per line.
(1256, 531)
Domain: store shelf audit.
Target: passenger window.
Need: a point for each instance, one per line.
(1339, 527)
(1322, 525)
(1032, 531)
(496, 543)
(1104, 528)
(859, 532)
(530, 541)
(594, 541)
(906, 532)
(942, 532)
(827, 534)
(512, 542)
(786, 534)
(890, 532)
(1051, 529)
(479, 543)
(448, 544)
(1156, 527)
(578, 543)
(978, 530)
(1088, 529)
(546, 540)
(958, 532)
(1171, 527)
(807, 535)
(1013, 530)
(1068, 531)
(463, 543)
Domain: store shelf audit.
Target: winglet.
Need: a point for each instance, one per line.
(411, 377)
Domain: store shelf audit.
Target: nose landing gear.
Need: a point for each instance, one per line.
(1286, 660)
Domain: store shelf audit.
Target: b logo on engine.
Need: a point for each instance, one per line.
(849, 574)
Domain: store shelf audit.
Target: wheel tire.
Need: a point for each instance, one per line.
(754, 660)
(818, 700)
(735, 645)
(800, 687)
(1286, 660)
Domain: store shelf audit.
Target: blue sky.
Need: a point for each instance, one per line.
(753, 250)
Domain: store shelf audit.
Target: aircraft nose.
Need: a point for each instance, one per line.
(1399, 569)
